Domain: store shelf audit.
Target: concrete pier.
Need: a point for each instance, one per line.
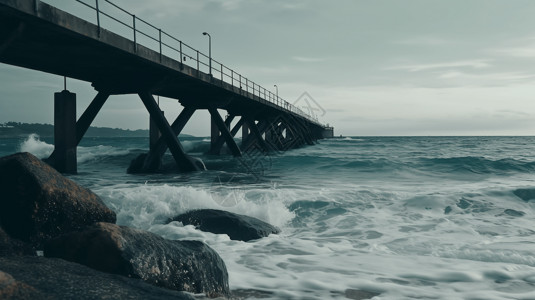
(83, 49)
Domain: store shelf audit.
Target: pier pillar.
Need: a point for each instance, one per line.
(65, 132)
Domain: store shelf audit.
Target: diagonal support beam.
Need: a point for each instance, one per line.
(225, 132)
(184, 162)
(257, 134)
(221, 140)
(86, 119)
(158, 150)
(180, 122)
(89, 115)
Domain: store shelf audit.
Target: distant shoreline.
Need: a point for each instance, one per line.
(18, 129)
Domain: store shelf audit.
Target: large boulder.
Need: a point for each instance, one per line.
(38, 203)
(51, 278)
(13, 289)
(237, 227)
(10, 246)
(188, 266)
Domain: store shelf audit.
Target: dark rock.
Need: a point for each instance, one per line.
(38, 203)
(144, 163)
(359, 294)
(188, 266)
(525, 194)
(50, 278)
(13, 289)
(10, 246)
(237, 227)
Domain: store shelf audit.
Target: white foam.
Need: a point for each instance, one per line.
(41, 149)
(32, 144)
(146, 205)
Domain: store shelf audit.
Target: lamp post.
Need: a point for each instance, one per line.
(277, 89)
(209, 50)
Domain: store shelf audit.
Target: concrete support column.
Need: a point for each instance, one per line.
(65, 132)
(154, 132)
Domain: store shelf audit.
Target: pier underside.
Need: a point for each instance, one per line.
(38, 36)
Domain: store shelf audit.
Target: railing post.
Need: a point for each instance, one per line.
(221, 73)
(197, 60)
(181, 58)
(240, 82)
(134, 27)
(98, 18)
(160, 39)
(246, 85)
(232, 77)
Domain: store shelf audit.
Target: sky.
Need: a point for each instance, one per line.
(380, 68)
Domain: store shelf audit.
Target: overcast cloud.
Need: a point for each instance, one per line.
(391, 67)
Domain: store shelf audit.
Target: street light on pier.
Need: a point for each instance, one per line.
(209, 50)
(277, 89)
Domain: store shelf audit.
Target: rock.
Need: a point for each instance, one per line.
(13, 289)
(143, 164)
(237, 227)
(9, 246)
(188, 266)
(38, 203)
(51, 278)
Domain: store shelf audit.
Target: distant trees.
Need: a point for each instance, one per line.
(13, 129)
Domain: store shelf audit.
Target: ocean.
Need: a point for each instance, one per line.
(401, 217)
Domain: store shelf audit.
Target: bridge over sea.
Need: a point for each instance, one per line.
(148, 62)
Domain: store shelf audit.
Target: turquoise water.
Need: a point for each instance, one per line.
(406, 217)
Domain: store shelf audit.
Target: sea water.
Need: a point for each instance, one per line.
(402, 217)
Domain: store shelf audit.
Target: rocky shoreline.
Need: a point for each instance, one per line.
(59, 240)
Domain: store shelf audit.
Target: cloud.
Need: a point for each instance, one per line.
(488, 77)
(475, 64)
(521, 52)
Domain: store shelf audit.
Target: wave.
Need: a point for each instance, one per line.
(41, 149)
(147, 205)
(479, 165)
(32, 144)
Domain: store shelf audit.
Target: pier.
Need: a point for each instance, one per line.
(39, 36)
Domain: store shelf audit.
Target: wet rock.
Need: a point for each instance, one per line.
(13, 289)
(45, 278)
(39, 203)
(188, 266)
(237, 227)
(143, 163)
(525, 194)
(9, 246)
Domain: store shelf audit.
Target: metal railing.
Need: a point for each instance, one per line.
(187, 55)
